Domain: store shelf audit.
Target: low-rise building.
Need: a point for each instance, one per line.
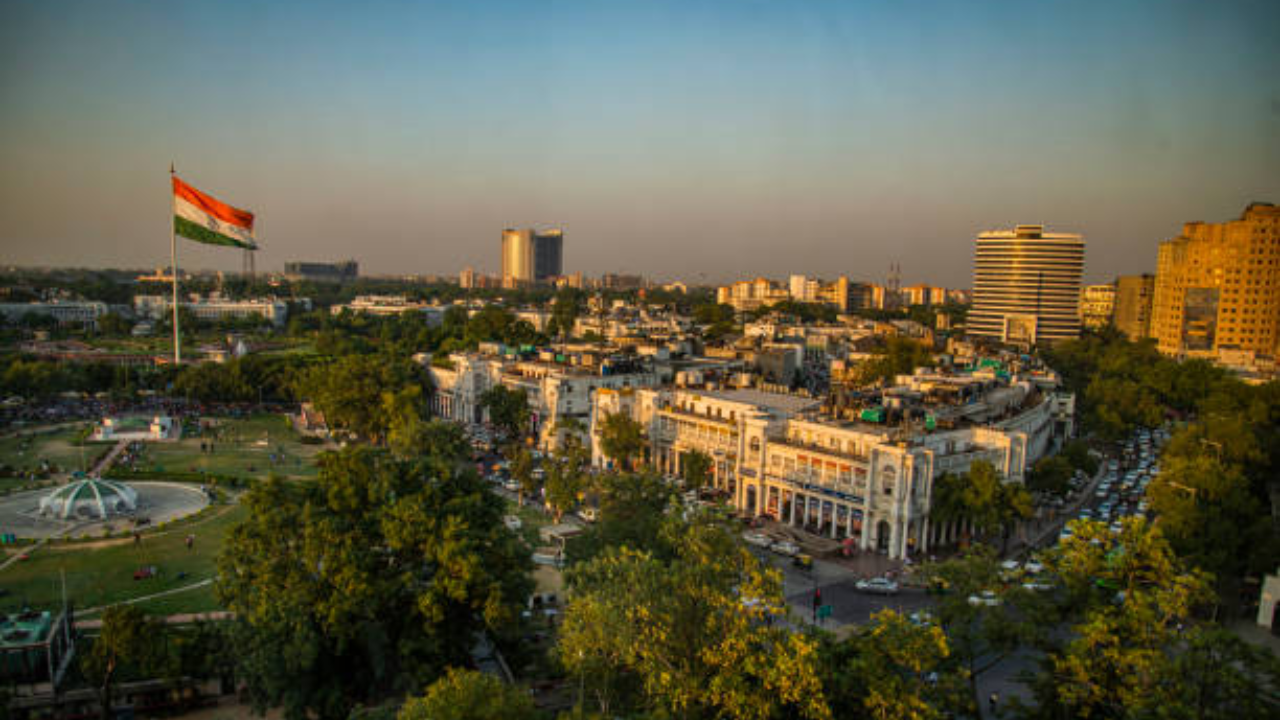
(64, 312)
(390, 305)
(866, 477)
(213, 308)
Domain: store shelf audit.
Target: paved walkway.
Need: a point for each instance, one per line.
(105, 463)
(152, 596)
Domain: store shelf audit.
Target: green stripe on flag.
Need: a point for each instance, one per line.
(201, 234)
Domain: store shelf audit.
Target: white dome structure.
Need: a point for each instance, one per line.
(92, 499)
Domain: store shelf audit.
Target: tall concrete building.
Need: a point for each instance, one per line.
(1026, 286)
(530, 257)
(1097, 305)
(1132, 314)
(1218, 287)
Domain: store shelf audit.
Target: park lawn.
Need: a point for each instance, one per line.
(59, 447)
(242, 447)
(103, 574)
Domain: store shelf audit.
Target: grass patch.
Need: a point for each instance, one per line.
(58, 447)
(101, 573)
(247, 447)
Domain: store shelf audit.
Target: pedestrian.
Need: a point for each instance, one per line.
(137, 538)
(191, 541)
(994, 702)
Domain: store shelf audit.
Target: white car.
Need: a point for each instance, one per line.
(1037, 585)
(758, 539)
(986, 598)
(589, 514)
(513, 485)
(878, 586)
(512, 522)
(1035, 567)
(785, 547)
(1009, 565)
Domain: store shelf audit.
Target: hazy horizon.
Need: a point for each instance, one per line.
(696, 141)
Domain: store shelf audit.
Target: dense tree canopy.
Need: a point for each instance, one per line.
(696, 634)
(368, 581)
(356, 393)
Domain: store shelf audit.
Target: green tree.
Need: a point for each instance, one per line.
(1218, 676)
(568, 305)
(622, 440)
(1051, 475)
(695, 466)
(566, 476)
(992, 504)
(900, 356)
(698, 632)
(469, 695)
(522, 470)
(633, 509)
(1208, 514)
(113, 324)
(372, 579)
(979, 634)
(1129, 598)
(128, 640)
(893, 669)
(351, 392)
(508, 409)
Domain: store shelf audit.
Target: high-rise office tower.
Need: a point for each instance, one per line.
(529, 257)
(548, 255)
(1026, 285)
(1132, 314)
(1218, 286)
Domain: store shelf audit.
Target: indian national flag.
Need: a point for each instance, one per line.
(208, 220)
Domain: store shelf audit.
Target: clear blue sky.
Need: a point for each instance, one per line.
(670, 138)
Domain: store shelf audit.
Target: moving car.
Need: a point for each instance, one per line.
(758, 539)
(878, 586)
(785, 547)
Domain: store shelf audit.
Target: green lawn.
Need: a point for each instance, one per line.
(58, 447)
(102, 573)
(242, 447)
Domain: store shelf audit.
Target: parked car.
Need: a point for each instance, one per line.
(758, 539)
(589, 514)
(512, 522)
(802, 561)
(878, 586)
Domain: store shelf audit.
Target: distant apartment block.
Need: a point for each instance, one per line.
(1097, 305)
(924, 295)
(1132, 314)
(1217, 287)
(344, 271)
(1026, 286)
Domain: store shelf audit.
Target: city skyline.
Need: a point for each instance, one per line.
(703, 144)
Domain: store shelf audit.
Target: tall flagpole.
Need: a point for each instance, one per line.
(173, 267)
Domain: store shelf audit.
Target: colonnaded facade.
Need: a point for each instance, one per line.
(776, 455)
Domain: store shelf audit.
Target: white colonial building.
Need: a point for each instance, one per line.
(557, 391)
(863, 480)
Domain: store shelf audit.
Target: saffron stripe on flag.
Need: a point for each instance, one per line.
(212, 206)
